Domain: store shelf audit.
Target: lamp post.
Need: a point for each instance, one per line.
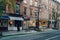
(37, 21)
(38, 15)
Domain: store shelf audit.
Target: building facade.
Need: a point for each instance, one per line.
(12, 17)
(58, 15)
(54, 13)
(48, 13)
(30, 10)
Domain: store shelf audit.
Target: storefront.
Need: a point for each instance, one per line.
(52, 24)
(14, 22)
(43, 23)
(4, 23)
(32, 23)
(29, 24)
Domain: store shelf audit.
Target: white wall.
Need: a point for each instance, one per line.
(12, 28)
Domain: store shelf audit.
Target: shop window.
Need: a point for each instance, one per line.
(44, 23)
(10, 23)
(25, 23)
(32, 23)
(4, 23)
(18, 23)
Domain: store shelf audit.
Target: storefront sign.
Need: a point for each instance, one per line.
(16, 18)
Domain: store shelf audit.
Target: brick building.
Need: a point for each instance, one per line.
(30, 10)
(46, 13)
(46, 17)
(13, 15)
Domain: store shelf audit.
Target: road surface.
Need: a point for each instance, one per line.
(55, 35)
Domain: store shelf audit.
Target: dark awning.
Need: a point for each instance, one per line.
(4, 18)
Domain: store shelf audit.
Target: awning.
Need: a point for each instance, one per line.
(4, 18)
(16, 18)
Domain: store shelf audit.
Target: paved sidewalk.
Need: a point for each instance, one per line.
(11, 33)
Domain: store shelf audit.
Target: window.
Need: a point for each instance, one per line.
(49, 16)
(4, 23)
(24, 1)
(46, 7)
(35, 3)
(36, 14)
(17, 8)
(30, 12)
(25, 8)
(31, 2)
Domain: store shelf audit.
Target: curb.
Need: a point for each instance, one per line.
(15, 34)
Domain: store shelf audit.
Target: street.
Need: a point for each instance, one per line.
(53, 35)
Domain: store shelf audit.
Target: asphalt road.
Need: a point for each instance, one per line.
(55, 35)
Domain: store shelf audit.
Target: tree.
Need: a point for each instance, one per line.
(2, 6)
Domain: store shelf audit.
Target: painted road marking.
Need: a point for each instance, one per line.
(52, 37)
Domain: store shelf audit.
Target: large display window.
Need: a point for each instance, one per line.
(32, 23)
(3, 25)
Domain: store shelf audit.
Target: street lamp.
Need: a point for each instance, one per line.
(37, 21)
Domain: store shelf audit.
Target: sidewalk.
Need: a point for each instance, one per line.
(12, 33)
(23, 32)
